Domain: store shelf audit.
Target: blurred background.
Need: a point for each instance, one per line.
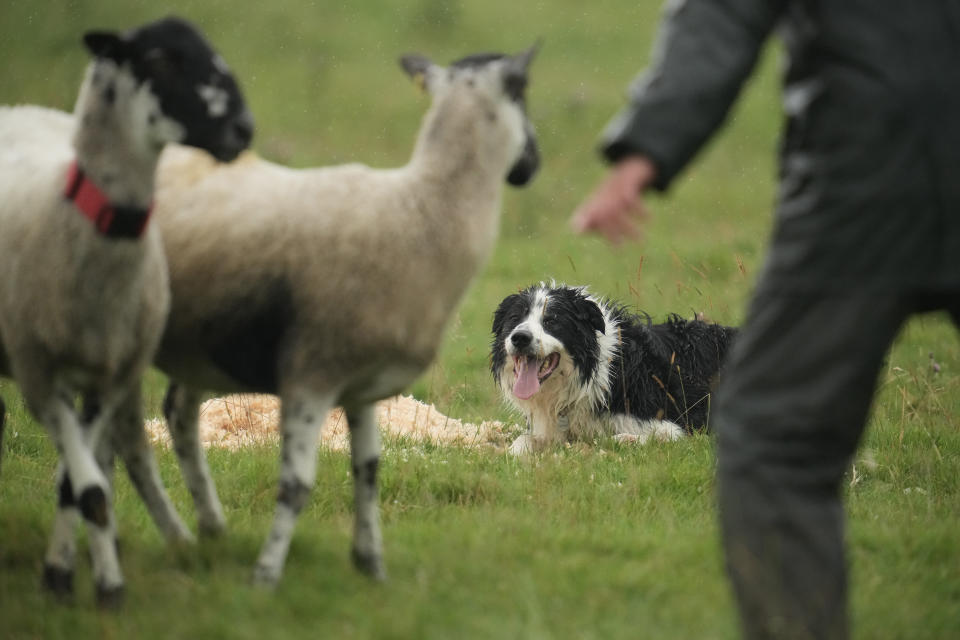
(323, 82)
(596, 541)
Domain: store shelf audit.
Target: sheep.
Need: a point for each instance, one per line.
(84, 290)
(333, 286)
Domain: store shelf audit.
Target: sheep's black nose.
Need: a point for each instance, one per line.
(234, 137)
(243, 129)
(521, 338)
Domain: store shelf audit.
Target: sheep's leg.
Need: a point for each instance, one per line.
(129, 440)
(89, 496)
(181, 407)
(302, 418)
(100, 443)
(62, 548)
(61, 551)
(98, 421)
(367, 549)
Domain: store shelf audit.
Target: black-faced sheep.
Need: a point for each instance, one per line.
(84, 291)
(333, 286)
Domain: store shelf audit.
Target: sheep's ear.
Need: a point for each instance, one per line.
(417, 67)
(515, 72)
(105, 44)
(520, 63)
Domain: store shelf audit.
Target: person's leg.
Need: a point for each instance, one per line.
(791, 408)
(3, 417)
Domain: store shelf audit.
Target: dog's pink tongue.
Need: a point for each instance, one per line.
(527, 382)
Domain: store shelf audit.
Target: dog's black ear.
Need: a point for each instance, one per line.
(589, 312)
(500, 315)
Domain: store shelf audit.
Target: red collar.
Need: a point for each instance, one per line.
(111, 221)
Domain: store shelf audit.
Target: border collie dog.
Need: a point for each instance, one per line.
(578, 367)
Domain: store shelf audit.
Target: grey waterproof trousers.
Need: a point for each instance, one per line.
(791, 408)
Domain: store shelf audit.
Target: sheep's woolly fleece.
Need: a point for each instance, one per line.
(236, 421)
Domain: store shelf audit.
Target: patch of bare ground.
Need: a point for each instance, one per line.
(241, 420)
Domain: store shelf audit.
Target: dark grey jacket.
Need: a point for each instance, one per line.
(870, 157)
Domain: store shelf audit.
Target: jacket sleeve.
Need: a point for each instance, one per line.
(704, 52)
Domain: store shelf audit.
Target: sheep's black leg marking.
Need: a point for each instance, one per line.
(65, 497)
(91, 409)
(367, 551)
(245, 341)
(297, 475)
(181, 406)
(294, 494)
(58, 581)
(93, 506)
(110, 598)
(368, 474)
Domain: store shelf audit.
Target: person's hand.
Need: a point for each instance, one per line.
(615, 205)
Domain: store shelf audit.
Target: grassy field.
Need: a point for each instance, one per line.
(601, 541)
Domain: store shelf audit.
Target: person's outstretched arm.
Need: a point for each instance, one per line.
(705, 51)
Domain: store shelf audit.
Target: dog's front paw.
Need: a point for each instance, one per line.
(522, 446)
(641, 433)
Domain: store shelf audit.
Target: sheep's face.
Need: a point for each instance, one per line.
(497, 83)
(172, 86)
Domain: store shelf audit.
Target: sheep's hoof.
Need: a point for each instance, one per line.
(176, 533)
(58, 582)
(180, 538)
(266, 577)
(110, 598)
(369, 564)
(211, 530)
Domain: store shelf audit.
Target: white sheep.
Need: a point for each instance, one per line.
(84, 291)
(333, 286)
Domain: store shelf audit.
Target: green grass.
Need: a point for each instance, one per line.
(600, 541)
